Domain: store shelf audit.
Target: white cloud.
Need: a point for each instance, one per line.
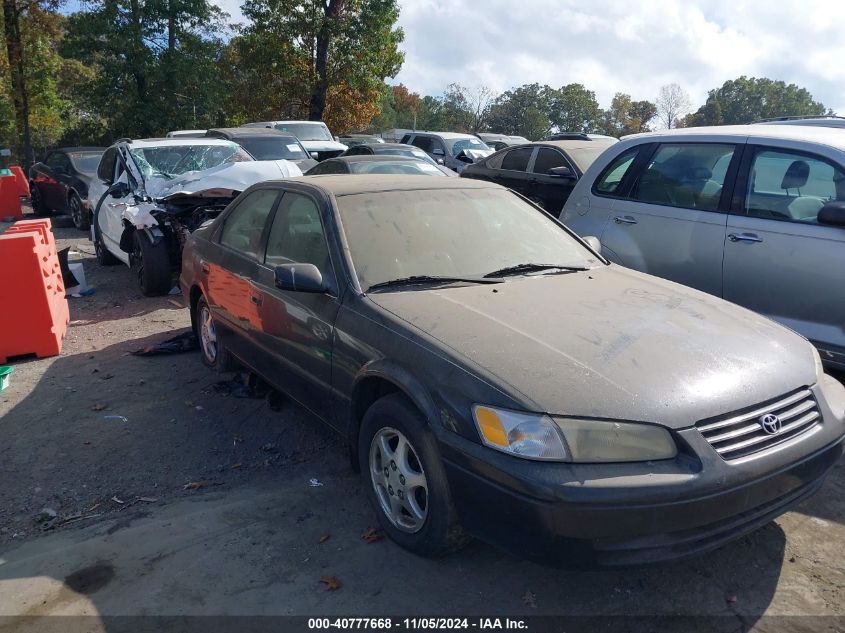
(615, 46)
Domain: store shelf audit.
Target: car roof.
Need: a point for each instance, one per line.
(372, 158)
(575, 144)
(242, 132)
(343, 185)
(830, 136)
(84, 148)
(390, 146)
(176, 141)
(444, 134)
(288, 121)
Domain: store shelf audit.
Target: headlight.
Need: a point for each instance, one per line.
(523, 434)
(537, 436)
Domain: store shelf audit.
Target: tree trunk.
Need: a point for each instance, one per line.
(137, 64)
(332, 10)
(20, 95)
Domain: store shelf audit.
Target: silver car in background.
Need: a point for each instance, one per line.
(754, 214)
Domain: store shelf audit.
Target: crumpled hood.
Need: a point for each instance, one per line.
(476, 155)
(223, 180)
(612, 343)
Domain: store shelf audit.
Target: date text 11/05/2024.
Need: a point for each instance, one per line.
(415, 624)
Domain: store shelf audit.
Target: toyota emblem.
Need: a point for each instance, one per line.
(771, 423)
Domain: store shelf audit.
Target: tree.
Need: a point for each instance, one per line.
(466, 109)
(573, 108)
(745, 100)
(672, 104)
(318, 59)
(522, 111)
(626, 116)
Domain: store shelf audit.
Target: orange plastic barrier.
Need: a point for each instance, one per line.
(20, 179)
(34, 315)
(10, 199)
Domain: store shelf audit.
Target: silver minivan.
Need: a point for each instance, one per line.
(754, 214)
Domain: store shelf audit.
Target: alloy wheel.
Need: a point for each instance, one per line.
(399, 480)
(76, 211)
(208, 335)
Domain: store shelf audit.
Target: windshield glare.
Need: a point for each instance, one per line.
(417, 153)
(450, 232)
(456, 146)
(274, 148)
(306, 131)
(174, 160)
(408, 167)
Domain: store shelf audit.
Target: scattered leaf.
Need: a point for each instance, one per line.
(194, 485)
(238, 465)
(372, 534)
(331, 583)
(189, 403)
(730, 597)
(530, 599)
(324, 538)
(99, 407)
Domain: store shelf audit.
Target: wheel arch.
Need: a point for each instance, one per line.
(376, 380)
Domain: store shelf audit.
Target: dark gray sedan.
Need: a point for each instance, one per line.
(495, 376)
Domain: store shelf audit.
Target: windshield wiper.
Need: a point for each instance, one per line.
(521, 269)
(431, 279)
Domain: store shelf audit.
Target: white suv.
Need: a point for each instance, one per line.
(314, 136)
(753, 213)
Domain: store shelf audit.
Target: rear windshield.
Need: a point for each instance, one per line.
(271, 148)
(85, 161)
(409, 167)
(457, 145)
(306, 131)
(413, 153)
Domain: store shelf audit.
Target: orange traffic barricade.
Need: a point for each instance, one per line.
(34, 314)
(20, 179)
(10, 198)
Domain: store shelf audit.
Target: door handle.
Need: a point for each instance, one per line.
(255, 299)
(744, 237)
(624, 219)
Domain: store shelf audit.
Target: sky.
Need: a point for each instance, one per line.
(621, 46)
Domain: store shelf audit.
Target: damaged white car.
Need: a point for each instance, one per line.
(149, 195)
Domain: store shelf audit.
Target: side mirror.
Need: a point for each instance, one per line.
(593, 242)
(562, 172)
(832, 213)
(119, 190)
(299, 278)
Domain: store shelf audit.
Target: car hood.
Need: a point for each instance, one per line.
(324, 146)
(223, 180)
(611, 343)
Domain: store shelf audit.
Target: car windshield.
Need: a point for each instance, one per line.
(273, 148)
(586, 156)
(450, 232)
(457, 145)
(413, 153)
(306, 131)
(174, 160)
(409, 167)
(85, 161)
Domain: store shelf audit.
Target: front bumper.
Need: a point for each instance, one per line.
(628, 514)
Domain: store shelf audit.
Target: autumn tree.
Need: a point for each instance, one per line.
(626, 116)
(672, 104)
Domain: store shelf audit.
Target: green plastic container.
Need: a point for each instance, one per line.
(5, 376)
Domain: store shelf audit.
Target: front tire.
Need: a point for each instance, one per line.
(36, 200)
(405, 480)
(78, 213)
(151, 265)
(213, 351)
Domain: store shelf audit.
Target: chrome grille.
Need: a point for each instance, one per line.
(742, 434)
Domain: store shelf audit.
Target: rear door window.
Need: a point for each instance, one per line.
(243, 228)
(425, 143)
(517, 159)
(685, 175)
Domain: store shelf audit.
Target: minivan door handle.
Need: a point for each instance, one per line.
(624, 219)
(744, 237)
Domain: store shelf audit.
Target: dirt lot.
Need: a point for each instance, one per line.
(137, 486)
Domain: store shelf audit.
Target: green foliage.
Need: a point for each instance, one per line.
(626, 116)
(523, 111)
(745, 100)
(573, 108)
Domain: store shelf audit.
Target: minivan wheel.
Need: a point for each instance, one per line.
(405, 480)
(151, 265)
(214, 353)
(78, 213)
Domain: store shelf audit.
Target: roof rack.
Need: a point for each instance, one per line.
(799, 118)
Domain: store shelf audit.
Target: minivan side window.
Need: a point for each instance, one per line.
(685, 175)
(243, 228)
(611, 178)
(792, 186)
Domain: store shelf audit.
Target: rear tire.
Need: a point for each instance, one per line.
(151, 265)
(213, 351)
(78, 213)
(404, 478)
(36, 200)
(104, 257)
